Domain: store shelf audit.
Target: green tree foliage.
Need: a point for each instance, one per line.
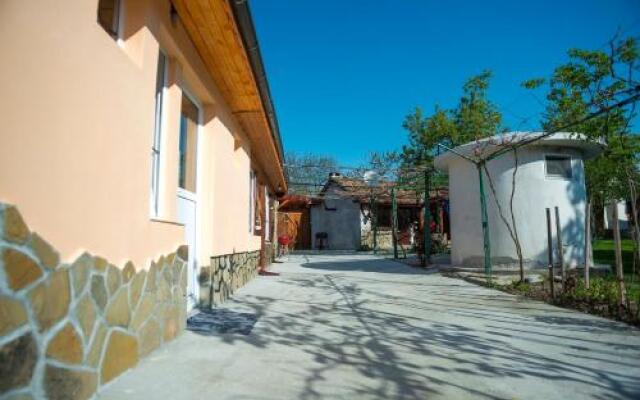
(473, 118)
(593, 80)
(476, 117)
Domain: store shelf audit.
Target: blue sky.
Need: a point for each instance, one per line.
(344, 73)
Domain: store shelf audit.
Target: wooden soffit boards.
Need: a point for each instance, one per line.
(212, 28)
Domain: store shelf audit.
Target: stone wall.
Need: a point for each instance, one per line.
(226, 274)
(67, 329)
(270, 252)
(384, 239)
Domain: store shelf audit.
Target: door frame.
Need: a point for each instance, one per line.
(193, 197)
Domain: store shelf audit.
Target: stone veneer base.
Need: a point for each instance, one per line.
(67, 329)
(226, 274)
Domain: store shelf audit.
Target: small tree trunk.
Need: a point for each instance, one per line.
(636, 228)
(560, 249)
(598, 215)
(587, 243)
(618, 251)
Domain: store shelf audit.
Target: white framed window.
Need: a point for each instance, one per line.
(188, 144)
(558, 166)
(109, 16)
(156, 148)
(252, 200)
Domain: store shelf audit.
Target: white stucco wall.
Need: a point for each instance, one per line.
(342, 224)
(534, 192)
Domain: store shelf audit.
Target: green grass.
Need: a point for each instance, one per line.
(603, 254)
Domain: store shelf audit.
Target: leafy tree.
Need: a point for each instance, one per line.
(425, 133)
(594, 80)
(600, 84)
(473, 118)
(476, 117)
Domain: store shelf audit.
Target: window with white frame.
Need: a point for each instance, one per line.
(161, 82)
(558, 166)
(187, 146)
(109, 16)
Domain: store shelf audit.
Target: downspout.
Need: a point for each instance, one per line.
(242, 16)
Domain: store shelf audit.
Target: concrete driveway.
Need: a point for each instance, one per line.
(359, 327)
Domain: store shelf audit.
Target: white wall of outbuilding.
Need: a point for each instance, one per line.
(535, 191)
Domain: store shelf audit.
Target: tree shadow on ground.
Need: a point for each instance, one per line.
(366, 265)
(412, 340)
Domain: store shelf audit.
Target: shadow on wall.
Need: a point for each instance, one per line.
(572, 230)
(380, 344)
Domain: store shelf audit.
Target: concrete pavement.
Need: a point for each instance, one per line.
(359, 327)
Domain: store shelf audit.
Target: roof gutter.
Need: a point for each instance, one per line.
(242, 16)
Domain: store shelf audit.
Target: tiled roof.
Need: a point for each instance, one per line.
(358, 190)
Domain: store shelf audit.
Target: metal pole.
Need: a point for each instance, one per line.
(394, 222)
(485, 224)
(426, 230)
(560, 249)
(550, 252)
(587, 243)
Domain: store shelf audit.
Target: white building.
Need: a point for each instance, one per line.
(623, 215)
(550, 174)
(342, 213)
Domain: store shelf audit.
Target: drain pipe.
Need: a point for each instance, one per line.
(242, 15)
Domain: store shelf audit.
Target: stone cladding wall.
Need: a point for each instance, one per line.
(226, 274)
(67, 329)
(384, 239)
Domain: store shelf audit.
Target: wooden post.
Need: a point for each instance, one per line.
(563, 272)
(618, 251)
(394, 222)
(587, 242)
(550, 252)
(276, 249)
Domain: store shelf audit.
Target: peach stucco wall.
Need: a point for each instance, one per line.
(77, 111)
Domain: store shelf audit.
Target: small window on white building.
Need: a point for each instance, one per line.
(558, 166)
(109, 16)
(161, 80)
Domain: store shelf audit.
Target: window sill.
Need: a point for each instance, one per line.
(165, 221)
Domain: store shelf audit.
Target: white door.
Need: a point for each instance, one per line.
(187, 182)
(187, 216)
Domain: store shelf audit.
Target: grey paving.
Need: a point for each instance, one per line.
(358, 327)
